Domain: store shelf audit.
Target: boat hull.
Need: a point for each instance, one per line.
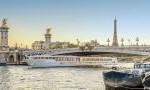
(146, 81)
(107, 87)
(49, 63)
(121, 81)
(2, 64)
(38, 63)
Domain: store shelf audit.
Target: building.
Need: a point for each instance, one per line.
(40, 45)
(58, 44)
(47, 44)
(7, 56)
(4, 36)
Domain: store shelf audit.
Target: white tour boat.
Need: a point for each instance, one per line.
(52, 61)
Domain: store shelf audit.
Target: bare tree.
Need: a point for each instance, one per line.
(78, 42)
(82, 48)
(89, 46)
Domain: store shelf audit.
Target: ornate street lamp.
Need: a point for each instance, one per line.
(122, 40)
(108, 41)
(129, 41)
(78, 42)
(137, 41)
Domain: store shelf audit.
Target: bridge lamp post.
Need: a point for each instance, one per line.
(122, 40)
(78, 42)
(41, 42)
(95, 42)
(137, 41)
(108, 41)
(129, 41)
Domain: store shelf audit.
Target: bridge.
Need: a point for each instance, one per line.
(136, 50)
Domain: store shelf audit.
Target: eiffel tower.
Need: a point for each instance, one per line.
(115, 39)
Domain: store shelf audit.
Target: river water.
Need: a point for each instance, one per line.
(59, 78)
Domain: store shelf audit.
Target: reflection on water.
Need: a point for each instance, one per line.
(4, 78)
(68, 78)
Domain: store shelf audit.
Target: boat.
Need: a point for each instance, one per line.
(146, 80)
(61, 60)
(126, 79)
(121, 80)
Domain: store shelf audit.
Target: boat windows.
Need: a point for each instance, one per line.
(46, 57)
(147, 66)
(56, 59)
(42, 57)
(137, 66)
(142, 66)
(35, 58)
(71, 59)
(78, 59)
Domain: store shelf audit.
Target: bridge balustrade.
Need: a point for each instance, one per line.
(142, 50)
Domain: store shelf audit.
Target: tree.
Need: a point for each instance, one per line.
(58, 46)
(89, 46)
(94, 42)
(82, 48)
(71, 45)
(78, 42)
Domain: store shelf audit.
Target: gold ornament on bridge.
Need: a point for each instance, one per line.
(48, 30)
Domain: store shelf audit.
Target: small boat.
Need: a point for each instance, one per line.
(54, 61)
(126, 79)
(146, 80)
(121, 80)
(146, 77)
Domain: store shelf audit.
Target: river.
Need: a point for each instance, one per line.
(58, 78)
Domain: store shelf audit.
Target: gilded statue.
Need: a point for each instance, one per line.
(48, 30)
(4, 22)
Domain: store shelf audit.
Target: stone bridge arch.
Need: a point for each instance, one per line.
(13, 57)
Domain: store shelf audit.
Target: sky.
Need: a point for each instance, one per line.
(72, 19)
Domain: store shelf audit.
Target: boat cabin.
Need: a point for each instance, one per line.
(144, 66)
(141, 65)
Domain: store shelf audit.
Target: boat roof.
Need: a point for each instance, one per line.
(48, 55)
(52, 56)
(142, 63)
